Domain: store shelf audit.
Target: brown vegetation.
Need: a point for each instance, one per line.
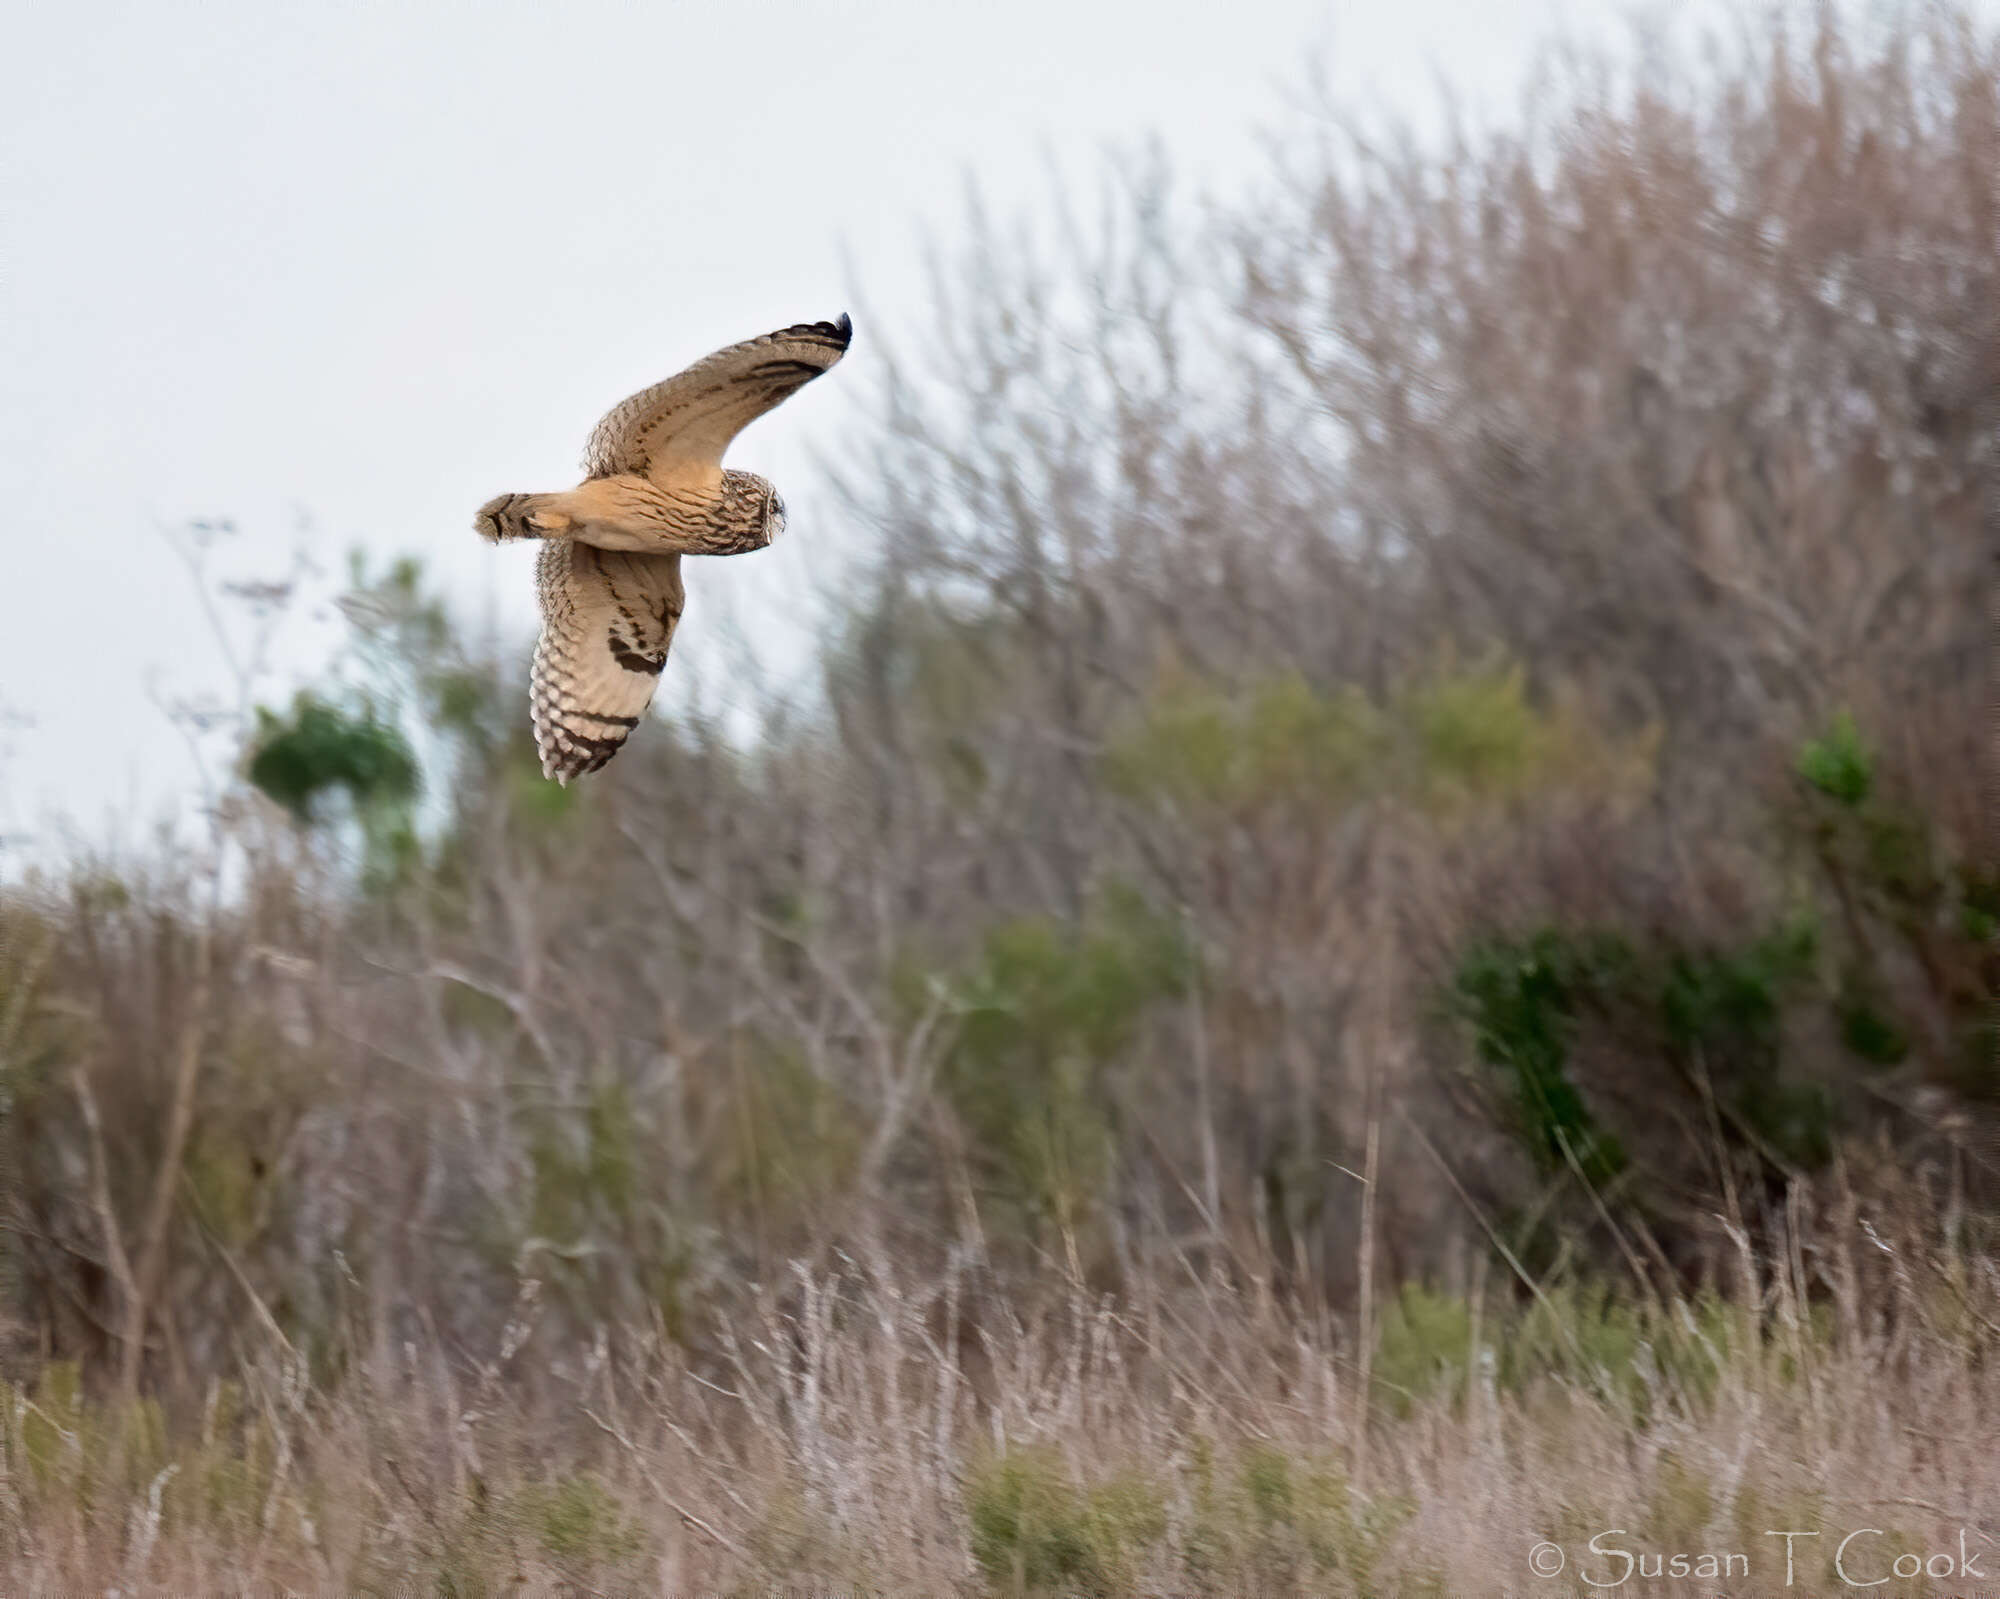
(1381, 945)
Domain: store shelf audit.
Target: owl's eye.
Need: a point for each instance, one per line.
(777, 508)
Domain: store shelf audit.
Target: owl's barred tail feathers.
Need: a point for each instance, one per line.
(505, 517)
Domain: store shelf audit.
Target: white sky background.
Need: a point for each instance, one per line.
(370, 265)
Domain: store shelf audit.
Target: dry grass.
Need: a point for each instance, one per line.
(858, 1429)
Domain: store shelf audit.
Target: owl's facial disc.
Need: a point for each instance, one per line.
(775, 517)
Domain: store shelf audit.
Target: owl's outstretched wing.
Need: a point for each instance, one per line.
(680, 428)
(607, 619)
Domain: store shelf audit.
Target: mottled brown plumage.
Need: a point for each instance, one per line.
(654, 490)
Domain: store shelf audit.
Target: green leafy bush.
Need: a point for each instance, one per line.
(1044, 1011)
(1838, 764)
(580, 1524)
(1522, 1000)
(1288, 1522)
(1451, 736)
(320, 748)
(1424, 1345)
(792, 1142)
(1034, 1529)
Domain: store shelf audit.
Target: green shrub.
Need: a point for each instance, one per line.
(1867, 1026)
(1585, 1333)
(1034, 1529)
(1719, 1011)
(1522, 999)
(1838, 764)
(1284, 740)
(1733, 999)
(1282, 1523)
(1425, 1345)
(1444, 738)
(320, 748)
(580, 1524)
(1044, 1011)
(1728, 1005)
(1476, 732)
(604, 1234)
(791, 1141)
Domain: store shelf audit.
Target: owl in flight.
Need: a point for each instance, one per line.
(654, 489)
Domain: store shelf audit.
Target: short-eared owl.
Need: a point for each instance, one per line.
(654, 489)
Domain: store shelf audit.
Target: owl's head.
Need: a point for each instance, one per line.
(750, 516)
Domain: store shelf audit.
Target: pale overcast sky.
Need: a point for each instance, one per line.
(371, 264)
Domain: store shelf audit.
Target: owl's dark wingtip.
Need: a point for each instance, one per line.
(836, 334)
